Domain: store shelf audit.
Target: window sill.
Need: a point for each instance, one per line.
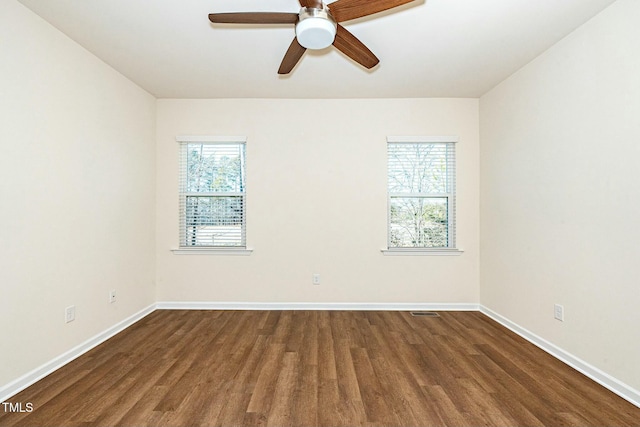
(212, 251)
(422, 252)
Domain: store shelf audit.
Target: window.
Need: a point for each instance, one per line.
(212, 193)
(421, 188)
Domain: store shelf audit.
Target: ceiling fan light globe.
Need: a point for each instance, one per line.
(315, 33)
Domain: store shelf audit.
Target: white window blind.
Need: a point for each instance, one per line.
(212, 194)
(421, 189)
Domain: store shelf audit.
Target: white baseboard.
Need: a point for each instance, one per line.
(618, 387)
(37, 374)
(355, 306)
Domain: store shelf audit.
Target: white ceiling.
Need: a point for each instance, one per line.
(428, 48)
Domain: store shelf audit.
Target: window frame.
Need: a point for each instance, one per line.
(449, 195)
(183, 249)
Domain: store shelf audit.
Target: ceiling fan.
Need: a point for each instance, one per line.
(318, 26)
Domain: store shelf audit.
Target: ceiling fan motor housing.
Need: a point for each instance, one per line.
(316, 28)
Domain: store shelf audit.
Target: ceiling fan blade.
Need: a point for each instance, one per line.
(292, 57)
(311, 3)
(348, 44)
(345, 10)
(254, 18)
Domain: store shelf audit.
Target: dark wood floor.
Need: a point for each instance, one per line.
(318, 368)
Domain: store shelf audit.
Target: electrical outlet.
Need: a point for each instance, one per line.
(315, 279)
(70, 314)
(558, 312)
(112, 296)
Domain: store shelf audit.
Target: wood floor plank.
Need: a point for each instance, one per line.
(141, 413)
(304, 410)
(140, 378)
(318, 368)
(245, 380)
(326, 355)
(266, 381)
(371, 391)
(350, 404)
(329, 413)
(485, 407)
(400, 391)
(446, 409)
(207, 413)
(280, 411)
(309, 344)
(513, 397)
(234, 410)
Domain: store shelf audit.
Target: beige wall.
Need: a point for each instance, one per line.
(560, 195)
(77, 191)
(316, 196)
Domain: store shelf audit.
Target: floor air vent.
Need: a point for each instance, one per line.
(424, 314)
